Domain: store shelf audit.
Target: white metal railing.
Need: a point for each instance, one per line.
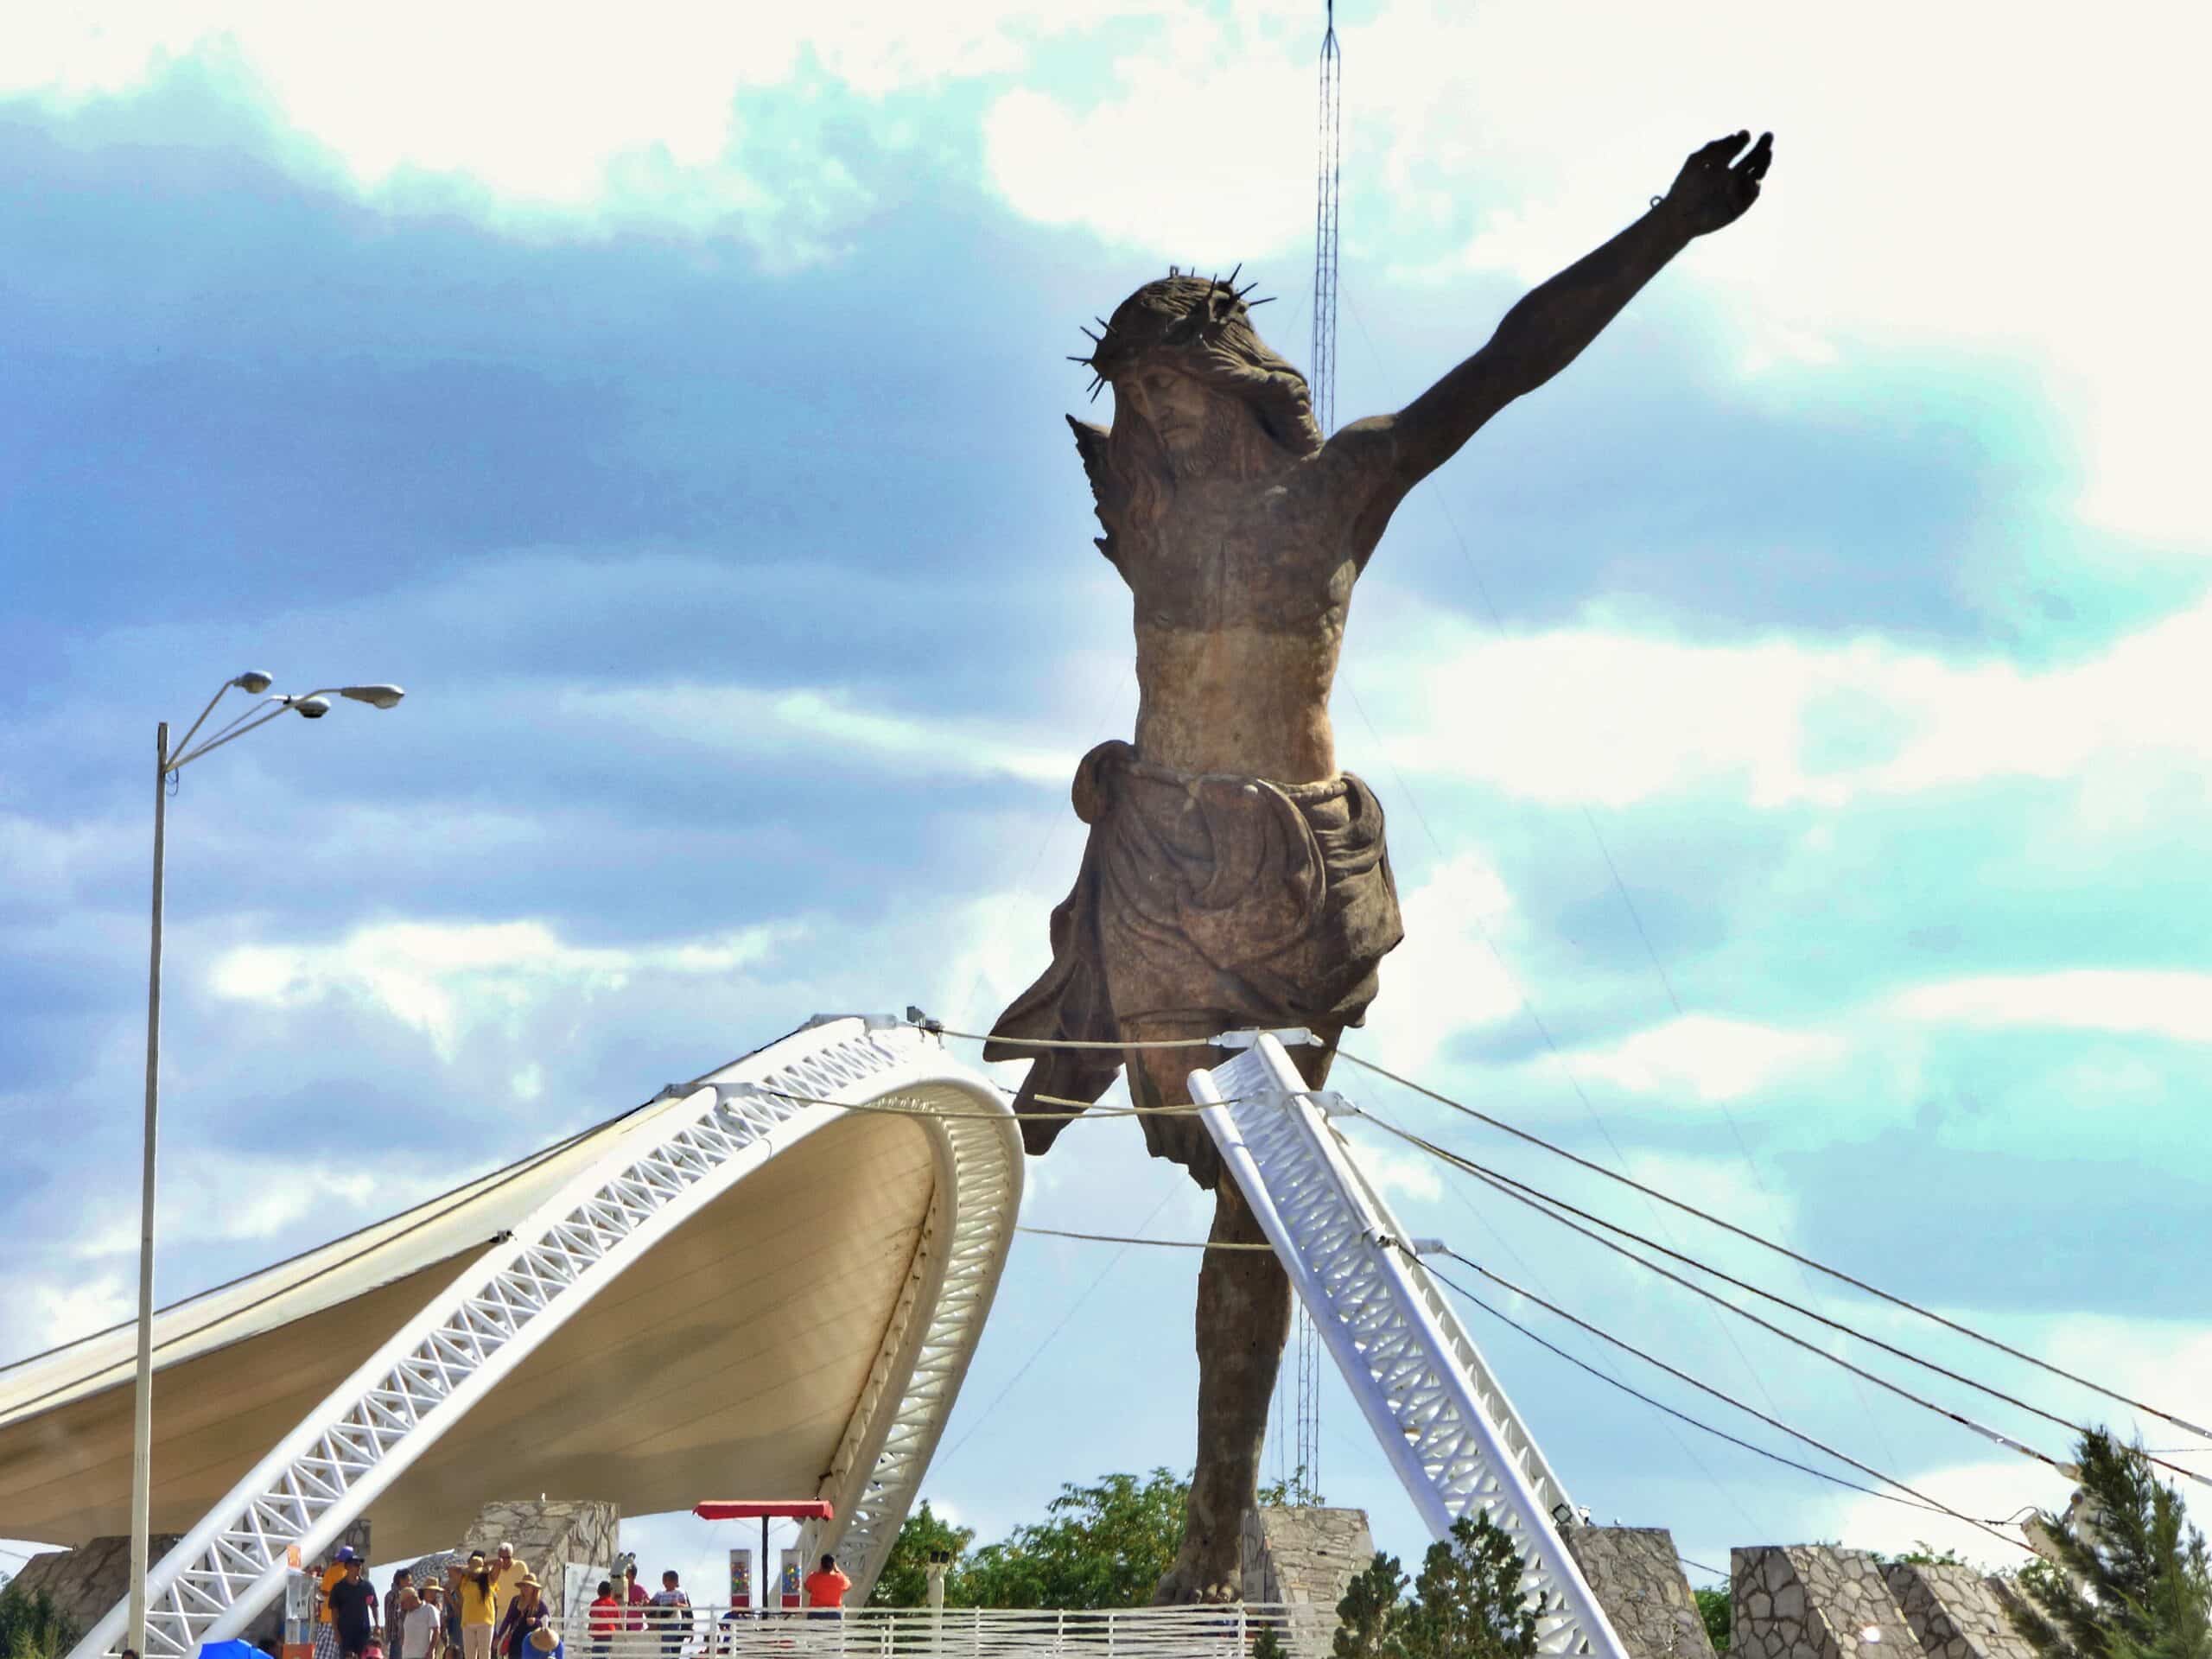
(1205, 1632)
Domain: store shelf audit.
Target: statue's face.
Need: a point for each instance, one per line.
(1187, 414)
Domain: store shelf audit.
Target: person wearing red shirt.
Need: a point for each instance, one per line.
(825, 1590)
(634, 1598)
(604, 1618)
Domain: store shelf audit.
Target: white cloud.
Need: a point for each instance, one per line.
(1707, 1059)
(213, 1196)
(1445, 977)
(38, 1314)
(1203, 150)
(2171, 1004)
(743, 720)
(1600, 714)
(444, 978)
(538, 102)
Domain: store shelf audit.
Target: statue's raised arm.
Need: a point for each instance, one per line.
(1550, 326)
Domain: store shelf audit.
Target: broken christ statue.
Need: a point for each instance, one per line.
(1234, 878)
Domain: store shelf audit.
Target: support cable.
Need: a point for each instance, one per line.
(1840, 1457)
(1766, 1243)
(1503, 1317)
(1537, 1200)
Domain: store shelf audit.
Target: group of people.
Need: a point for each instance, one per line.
(495, 1608)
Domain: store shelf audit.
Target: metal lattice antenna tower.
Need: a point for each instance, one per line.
(1306, 1355)
(1324, 375)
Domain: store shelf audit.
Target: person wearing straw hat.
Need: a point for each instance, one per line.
(524, 1613)
(543, 1643)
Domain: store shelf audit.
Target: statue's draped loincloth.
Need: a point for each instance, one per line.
(1228, 900)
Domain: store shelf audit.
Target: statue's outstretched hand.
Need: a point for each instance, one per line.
(1712, 189)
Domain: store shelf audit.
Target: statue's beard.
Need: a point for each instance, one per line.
(1216, 449)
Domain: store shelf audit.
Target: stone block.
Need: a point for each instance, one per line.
(1804, 1601)
(1953, 1613)
(1638, 1579)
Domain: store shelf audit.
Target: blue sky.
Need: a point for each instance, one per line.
(674, 410)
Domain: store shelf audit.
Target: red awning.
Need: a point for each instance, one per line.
(752, 1509)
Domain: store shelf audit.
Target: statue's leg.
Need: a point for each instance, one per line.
(1243, 1319)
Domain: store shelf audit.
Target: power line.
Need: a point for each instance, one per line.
(1706, 1388)
(1074, 1307)
(1535, 1198)
(1767, 1244)
(1720, 1433)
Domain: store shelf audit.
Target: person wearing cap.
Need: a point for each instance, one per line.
(353, 1608)
(825, 1590)
(479, 1595)
(525, 1612)
(511, 1571)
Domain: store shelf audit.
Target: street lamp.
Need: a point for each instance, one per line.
(168, 762)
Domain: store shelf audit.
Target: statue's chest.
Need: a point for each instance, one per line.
(1268, 558)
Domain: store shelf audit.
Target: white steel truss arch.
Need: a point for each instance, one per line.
(1456, 1444)
(513, 1297)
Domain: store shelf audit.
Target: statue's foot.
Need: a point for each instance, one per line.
(1195, 1582)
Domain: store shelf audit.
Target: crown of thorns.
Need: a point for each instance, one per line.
(1180, 312)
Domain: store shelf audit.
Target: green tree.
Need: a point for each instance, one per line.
(1297, 1492)
(2132, 1580)
(1105, 1545)
(1368, 1616)
(1467, 1603)
(31, 1627)
(1718, 1608)
(904, 1581)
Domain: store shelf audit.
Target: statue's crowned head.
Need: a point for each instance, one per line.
(1196, 391)
(1200, 327)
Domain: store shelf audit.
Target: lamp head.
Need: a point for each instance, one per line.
(381, 696)
(253, 680)
(312, 708)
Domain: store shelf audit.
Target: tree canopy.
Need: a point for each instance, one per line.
(1104, 1545)
(1466, 1604)
(2132, 1580)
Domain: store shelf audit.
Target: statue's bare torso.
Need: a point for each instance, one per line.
(1240, 616)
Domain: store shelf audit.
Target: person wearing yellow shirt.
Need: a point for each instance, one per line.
(479, 1589)
(510, 1572)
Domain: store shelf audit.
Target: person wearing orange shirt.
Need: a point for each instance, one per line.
(825, 1590)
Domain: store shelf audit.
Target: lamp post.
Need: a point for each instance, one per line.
(168, 763)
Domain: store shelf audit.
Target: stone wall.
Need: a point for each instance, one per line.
(1955, 1613)
(1305, 1556)
(1814, 1601)
(1634, 1575)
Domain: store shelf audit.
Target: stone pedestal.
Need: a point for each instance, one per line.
(1813, 1601)
(1955, 1613)
(1306, 1557)
(1634, 1573)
